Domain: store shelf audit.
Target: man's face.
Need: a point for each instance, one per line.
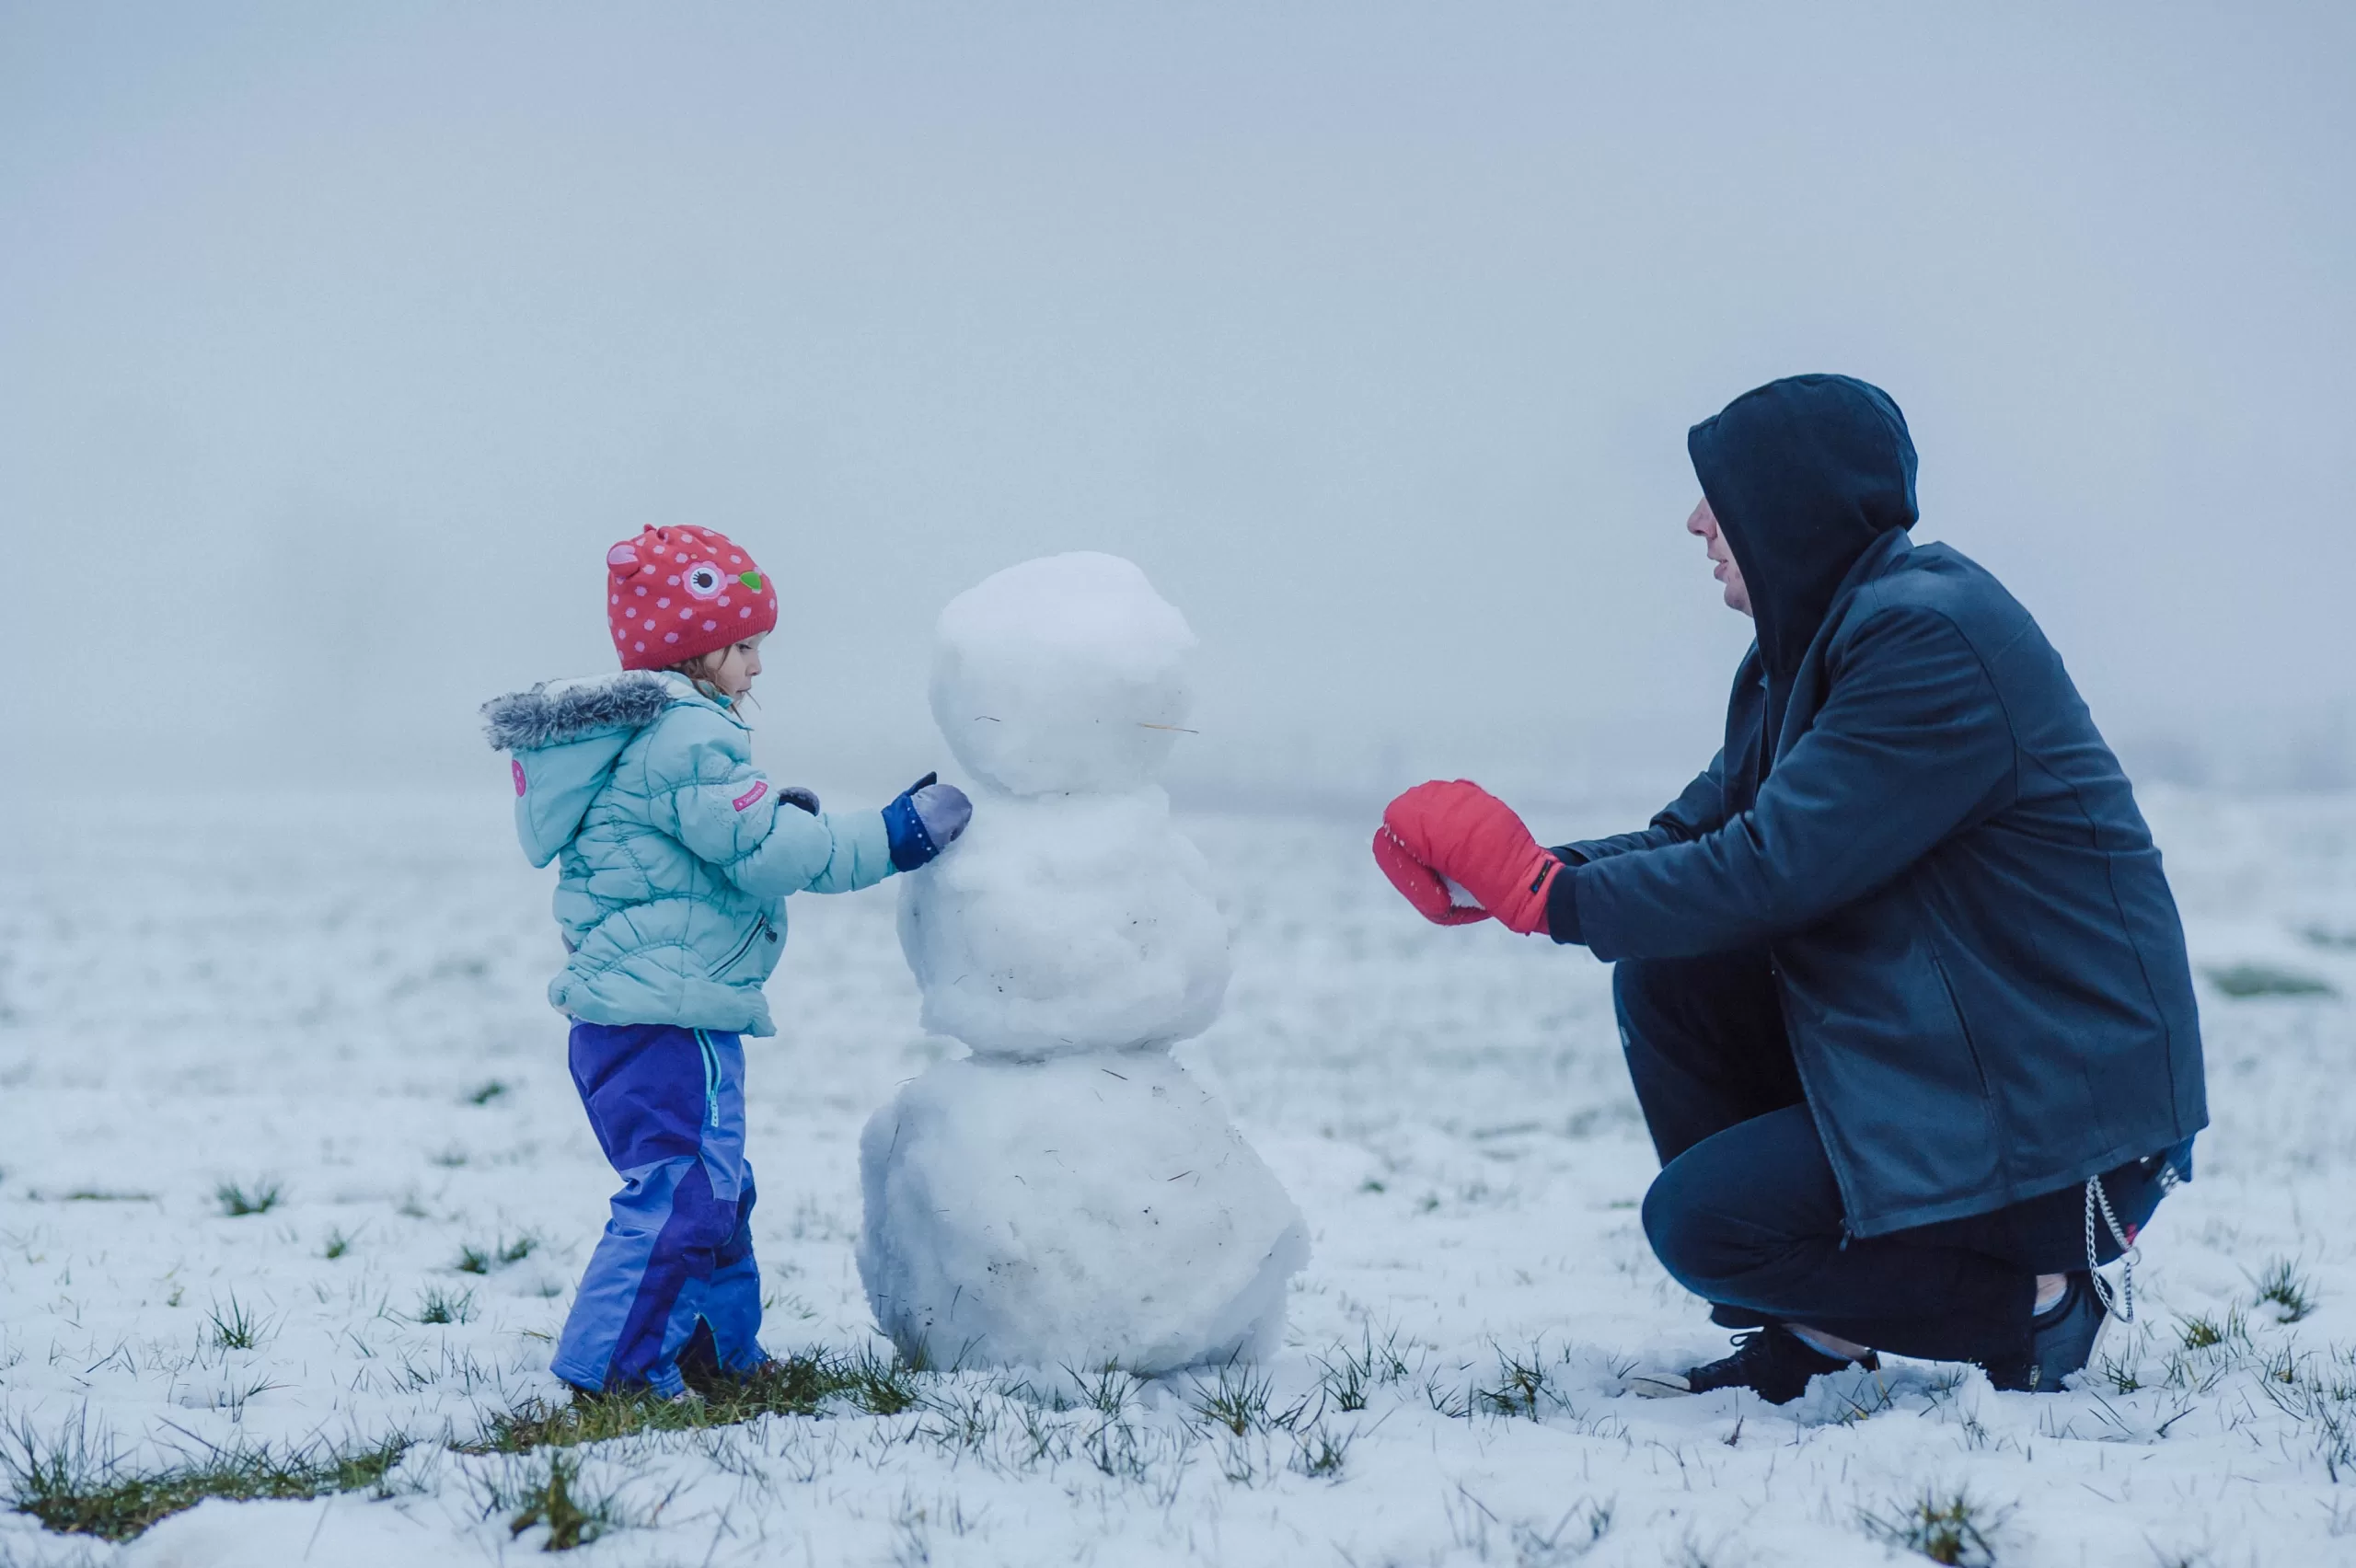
(1703, 526)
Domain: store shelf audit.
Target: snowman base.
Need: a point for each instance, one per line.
(1081, 1213)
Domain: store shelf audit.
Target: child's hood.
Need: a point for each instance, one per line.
(563, 738)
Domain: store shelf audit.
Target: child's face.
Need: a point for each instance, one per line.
(734, 673)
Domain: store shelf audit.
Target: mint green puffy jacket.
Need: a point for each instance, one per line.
(674, 853)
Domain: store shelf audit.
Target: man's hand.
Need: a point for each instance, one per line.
(1459, 831)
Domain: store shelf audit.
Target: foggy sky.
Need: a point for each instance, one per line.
(337, 342)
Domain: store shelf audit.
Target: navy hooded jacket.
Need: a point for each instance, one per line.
(1981, 969)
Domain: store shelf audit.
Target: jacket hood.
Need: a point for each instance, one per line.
(555, 712)
(564, 737)
(1804, 475)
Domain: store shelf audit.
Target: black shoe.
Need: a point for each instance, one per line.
(1774, 1363)
(2062, 1339)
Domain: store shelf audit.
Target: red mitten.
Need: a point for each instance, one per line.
(1419, 885)
(1459, 831)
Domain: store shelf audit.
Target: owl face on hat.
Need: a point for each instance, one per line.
(674, 594)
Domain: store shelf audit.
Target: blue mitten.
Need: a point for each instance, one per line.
(924, 819)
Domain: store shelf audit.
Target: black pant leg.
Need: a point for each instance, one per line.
(1705, 1043)
(1751, 1219)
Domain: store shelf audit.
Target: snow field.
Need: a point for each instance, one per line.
(323, 992)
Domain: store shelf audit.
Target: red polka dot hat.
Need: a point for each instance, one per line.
(673, 594)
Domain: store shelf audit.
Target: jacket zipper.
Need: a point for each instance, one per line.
(743, 948)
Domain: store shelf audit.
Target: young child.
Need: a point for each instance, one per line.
(675, 856)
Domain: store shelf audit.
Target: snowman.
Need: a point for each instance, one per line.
(1067, 1198)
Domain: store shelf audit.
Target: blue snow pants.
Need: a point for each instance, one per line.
(674, 1268)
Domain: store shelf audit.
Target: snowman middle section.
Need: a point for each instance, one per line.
(1068, 1197)
(1066, 923)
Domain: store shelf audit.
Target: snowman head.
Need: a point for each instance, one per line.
(1062, 676)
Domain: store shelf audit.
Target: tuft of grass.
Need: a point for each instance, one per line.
(2242, 980)
(1320, 1452)
(1948, 1528)
(2204, 1333)
(2342, 940)
(2336, 1440)
(1107, 1390)
(552, 1494)
(238, 1329)
(338, 1245)
(477, 1260)
(438, 1306)
(2285, 1287)
(238, 1200)
(1345, 1385)
(965, 1421)
(1238, 1402)
(1447, 1399)
(2321, 1394)
(1153, 1456)
(78, 1485)
(1347, 1375)
(94, 1195)
(882, 1386)
(487, 1093)
(1521, 1383)
(797, 1385)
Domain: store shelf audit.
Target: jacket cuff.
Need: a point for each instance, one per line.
(904, 830)
(1562, 905)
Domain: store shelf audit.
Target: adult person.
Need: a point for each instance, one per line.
(1902, 988)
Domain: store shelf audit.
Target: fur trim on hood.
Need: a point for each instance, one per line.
(555, 712)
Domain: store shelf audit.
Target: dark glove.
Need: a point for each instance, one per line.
(925, 819)
(797, 796)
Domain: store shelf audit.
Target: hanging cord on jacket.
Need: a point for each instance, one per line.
(2123, 1301)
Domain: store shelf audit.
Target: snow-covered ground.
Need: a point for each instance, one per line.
(342, 997)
